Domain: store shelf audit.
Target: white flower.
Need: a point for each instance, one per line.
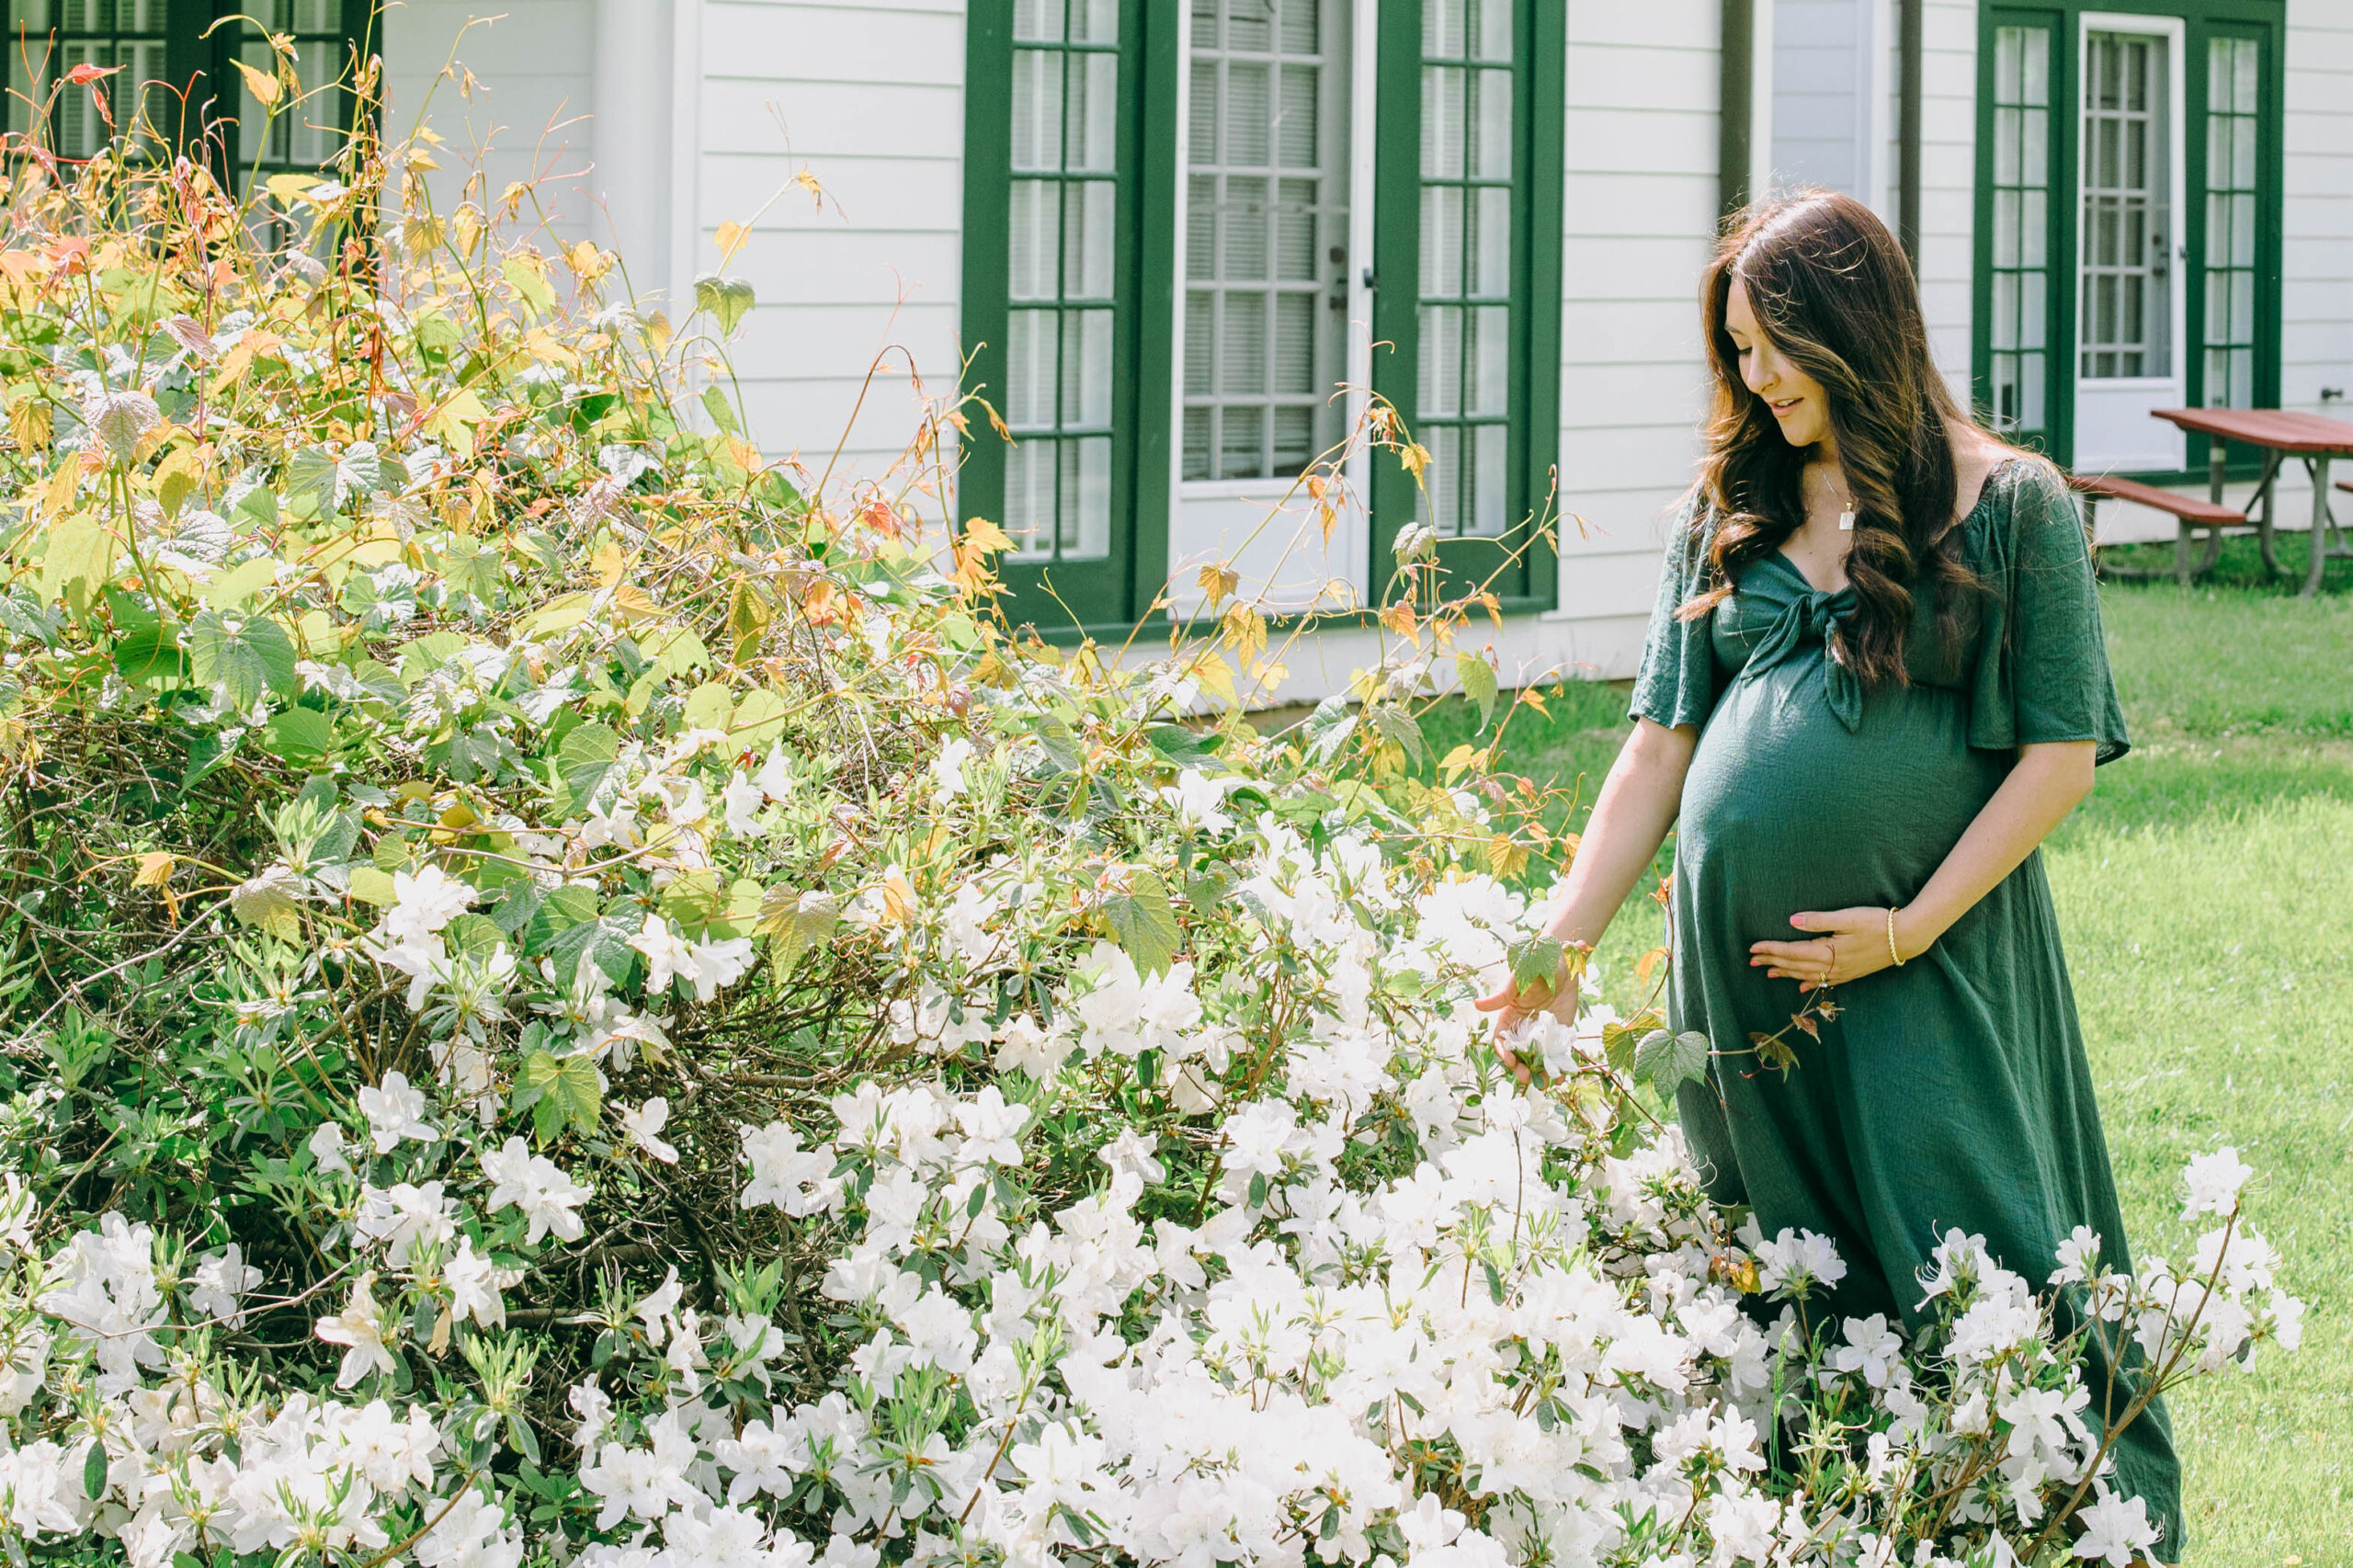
(536, 1184)
(424, 901)
(992, 1128)
(467, 1532)
(719, 962)
(405, 1218)
(740, 804)
(1796, 1261)
(219, 1279)
(359, 1325)
(708, 966)
(395, 1111)
(2214, 1182)
(326, 1147)
(1872, 1348)
(1199, 801)
(2116, 1530)
(796, 1180)
(643, 1123)
(474, 1284)
(775, 777)
(948, 768)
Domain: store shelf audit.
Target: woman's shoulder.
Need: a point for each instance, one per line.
(2023, 491)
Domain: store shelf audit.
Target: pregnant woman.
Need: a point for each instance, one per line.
(1874, 683)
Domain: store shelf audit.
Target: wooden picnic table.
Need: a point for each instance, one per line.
(2280, 434)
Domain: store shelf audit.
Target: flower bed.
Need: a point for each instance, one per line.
(574, 996)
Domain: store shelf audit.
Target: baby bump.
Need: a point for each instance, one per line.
(1786, 807)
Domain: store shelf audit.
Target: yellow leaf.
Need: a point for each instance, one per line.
(288, 189)
(730, 240)
(981, 534)
(240, 583)
(57, 495)
(452, 423)
(264, 85)
(1219, 582)
(154, 869)
(1416, 458)
(81, 549)
(1215, 674)
(28, 423)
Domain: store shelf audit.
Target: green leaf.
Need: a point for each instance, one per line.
(94, 1471)
(250, 655)
(1669, 1060)
(149, 652)
(1478, 680)
(723, 413)
(1331, 724)
(558, 1090)
(473, 933)
(1141, 922)
(1535, 963)
(583, 761)
(370, 885)
(301, 736)
(529, 283)
(729, 300)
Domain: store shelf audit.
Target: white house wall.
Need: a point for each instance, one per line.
(1641, 214)
(526, 120)
(866, 98)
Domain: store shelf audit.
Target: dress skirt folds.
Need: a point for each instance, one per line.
(1951, 1093)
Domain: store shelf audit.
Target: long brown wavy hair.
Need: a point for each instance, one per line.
(1831, 288)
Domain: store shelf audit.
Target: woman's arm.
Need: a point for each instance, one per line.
(1638, 803)
(2045, 785)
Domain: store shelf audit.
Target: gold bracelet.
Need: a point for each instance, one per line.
(1891, 939)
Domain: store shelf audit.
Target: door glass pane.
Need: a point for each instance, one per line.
(48, 39)
(1265, 216)
(1060, 398)
(2127, 265)
(1469, 156)
(2019, 218)
(2232, 71)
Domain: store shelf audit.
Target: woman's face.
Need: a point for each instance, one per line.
(1796, 399)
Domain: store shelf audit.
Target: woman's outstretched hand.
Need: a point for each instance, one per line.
(1850, 944)
(1515, 1004)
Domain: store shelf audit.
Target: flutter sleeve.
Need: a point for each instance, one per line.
(1676, 682)
(2043, 671)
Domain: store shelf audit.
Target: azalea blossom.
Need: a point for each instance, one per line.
(550, 1199)
(395, 1111)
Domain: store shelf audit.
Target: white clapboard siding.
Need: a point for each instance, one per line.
(1639, 216)
(866, 98)
(527, 120)
(1949, 182)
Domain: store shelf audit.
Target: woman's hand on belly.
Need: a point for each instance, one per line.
(1852, 943)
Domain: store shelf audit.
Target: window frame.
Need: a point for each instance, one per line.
(2265, 21)
(1115, 593)
(1539, 66)
(215, 96)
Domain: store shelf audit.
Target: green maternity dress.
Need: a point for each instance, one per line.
(1952, 1092)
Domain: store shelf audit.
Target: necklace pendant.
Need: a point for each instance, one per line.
(1846, 521)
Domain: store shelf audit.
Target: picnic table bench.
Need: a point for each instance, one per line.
(2280, 434)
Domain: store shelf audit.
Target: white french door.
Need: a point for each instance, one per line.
(2130, 302)
(1271, 173)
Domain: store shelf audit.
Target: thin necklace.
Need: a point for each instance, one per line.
(1847, 513)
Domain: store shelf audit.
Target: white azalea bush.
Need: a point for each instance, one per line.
(573, 997)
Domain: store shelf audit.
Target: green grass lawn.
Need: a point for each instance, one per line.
(2206, 892)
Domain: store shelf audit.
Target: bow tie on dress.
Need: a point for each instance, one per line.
(1807, 618)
